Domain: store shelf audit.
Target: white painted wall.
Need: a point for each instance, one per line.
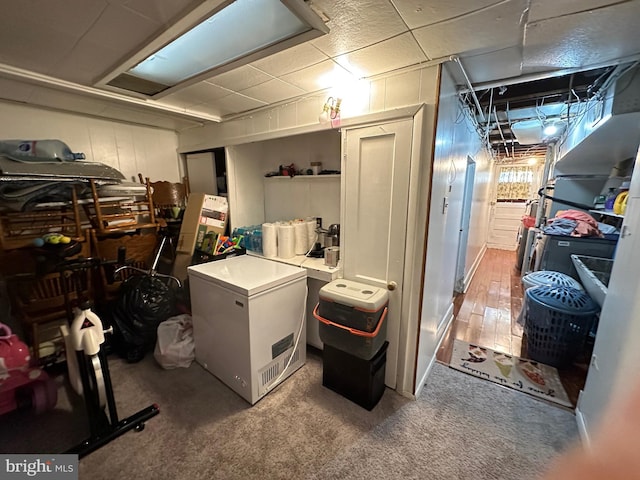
(455, 140)
(129, 148)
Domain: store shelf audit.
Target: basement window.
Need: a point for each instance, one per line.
(514, 184)
(241, 32)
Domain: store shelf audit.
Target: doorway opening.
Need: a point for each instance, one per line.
(465, 220)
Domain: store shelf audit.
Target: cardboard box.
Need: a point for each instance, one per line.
(204, 213)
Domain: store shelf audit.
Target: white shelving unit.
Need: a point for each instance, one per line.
(301, 178)
(607, 213)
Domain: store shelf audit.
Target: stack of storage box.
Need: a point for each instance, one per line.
(354, 332)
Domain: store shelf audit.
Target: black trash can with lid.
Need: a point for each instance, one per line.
(557, 322)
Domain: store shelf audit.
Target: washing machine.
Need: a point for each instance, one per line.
(553, 252)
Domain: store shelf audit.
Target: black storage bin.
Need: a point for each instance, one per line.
(359, 380)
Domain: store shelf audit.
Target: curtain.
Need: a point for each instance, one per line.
(514, 183)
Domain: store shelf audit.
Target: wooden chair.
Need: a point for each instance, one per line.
(139, 247)
(44, 299)
(167, 195)
(120, 215)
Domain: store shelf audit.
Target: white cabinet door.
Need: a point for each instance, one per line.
(375, 188)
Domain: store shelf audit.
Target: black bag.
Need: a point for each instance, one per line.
(144, 301)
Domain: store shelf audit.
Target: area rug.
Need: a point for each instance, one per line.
(521, 374)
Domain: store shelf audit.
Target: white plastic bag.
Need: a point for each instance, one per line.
(175, 346)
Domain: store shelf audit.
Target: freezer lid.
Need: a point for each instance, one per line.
(246, 274)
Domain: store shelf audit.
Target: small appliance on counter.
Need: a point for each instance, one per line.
(327, 238)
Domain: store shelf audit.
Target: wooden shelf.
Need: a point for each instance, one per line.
(301, 177)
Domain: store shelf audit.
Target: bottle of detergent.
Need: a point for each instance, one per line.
(620, 204)
(610, 199)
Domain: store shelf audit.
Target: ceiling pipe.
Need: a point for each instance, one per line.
(549, 159)
(486, 132)
(470, 86)
(495, 114)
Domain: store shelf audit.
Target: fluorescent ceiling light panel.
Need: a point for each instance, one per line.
(243, 31)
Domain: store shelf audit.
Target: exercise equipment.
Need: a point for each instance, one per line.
(89, 374)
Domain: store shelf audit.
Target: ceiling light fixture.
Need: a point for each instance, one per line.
(233, 33)
(550, 130)
(330, 111)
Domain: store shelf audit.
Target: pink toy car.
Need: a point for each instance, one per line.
(21, 386)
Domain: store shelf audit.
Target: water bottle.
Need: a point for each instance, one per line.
(38, 151)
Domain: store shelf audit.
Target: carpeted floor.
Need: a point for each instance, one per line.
(460, 427)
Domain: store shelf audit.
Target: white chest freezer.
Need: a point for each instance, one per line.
(248, 313)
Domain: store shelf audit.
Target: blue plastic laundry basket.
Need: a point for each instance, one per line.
(549, 277)
(557, 322)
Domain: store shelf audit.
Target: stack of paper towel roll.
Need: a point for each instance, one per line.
(270, 240)
(288, 239)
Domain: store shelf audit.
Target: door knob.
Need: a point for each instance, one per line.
(391, 285)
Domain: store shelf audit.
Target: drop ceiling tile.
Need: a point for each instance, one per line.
(316, 77)
(37, 35)
(240, 78)
(543, 9)
(234, 103)
(273, 91)
(290, 60)
(418, 13)
(357, 24)
(578, 40)
(161, 12)
(202, 92)
(102, 47)
(489, 29)
(486, 67)
(397, 52)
